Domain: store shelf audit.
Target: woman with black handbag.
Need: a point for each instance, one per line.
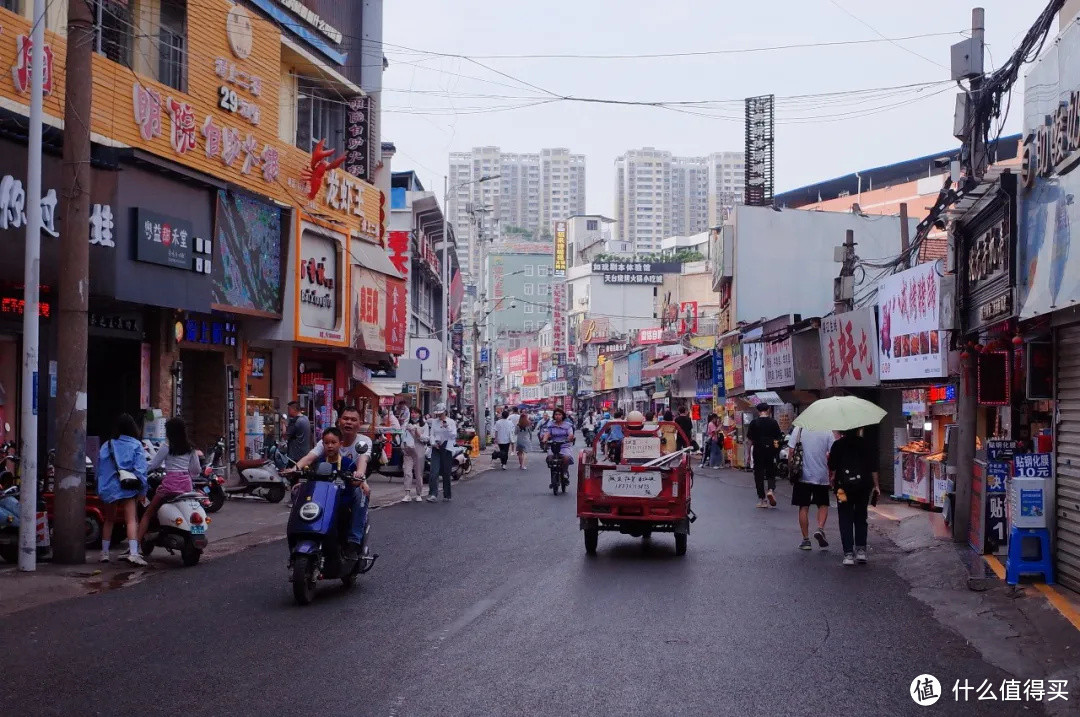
(121, 480)
(853, 475)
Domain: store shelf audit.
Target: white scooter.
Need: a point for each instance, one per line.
(180, 525)
(261, 477)
(460, 465)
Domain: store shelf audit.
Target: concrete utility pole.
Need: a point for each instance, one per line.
(74, 282)
(967, 408)
(905, 237)
(844, 291)
(445, 395)
(28, 417)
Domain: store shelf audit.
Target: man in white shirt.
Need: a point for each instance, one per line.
(443, 436)
(504, 434)
(812, 487)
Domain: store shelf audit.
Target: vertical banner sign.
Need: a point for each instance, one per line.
(560, 250)
(558, 317)
(144, 376)
(230, 413)
(358, 144)
(688, 317)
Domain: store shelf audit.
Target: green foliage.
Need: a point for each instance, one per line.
(682, 255)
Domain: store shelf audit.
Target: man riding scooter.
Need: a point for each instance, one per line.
(338, 444)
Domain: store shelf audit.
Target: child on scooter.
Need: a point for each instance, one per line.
(181, 464)
(358, 493)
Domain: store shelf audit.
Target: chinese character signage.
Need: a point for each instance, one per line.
(1032, 465)
(733, 368)
(626, 278)
(912, 342)
(360, 159)
(518, 360)
(754, 366)
(160, 239)
(319, 290)
(379, 319)
(630, 266)
(688, 317)
(779, 364)
(647, 337)
(560, 250)
(558, 318)
(849, 349)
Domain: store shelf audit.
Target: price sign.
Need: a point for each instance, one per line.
(1000, 450)
(996, 530)
(1031, 465)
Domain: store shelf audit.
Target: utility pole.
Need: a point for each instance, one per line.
(28, 417)
(905, 237)
(445, 395)
(74, 282)
(844, 285)
(966, 403)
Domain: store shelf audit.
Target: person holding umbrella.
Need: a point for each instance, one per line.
(853, 470)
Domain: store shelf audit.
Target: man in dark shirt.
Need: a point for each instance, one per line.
(298, 433)
(683, 421)
(764, 435)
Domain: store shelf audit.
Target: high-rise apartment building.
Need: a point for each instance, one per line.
(531, 192)
(727, 182)
(658, 195)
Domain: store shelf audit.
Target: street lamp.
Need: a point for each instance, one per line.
(446, 272)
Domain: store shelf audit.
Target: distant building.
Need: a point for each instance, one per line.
(518, 284)
(588, 235)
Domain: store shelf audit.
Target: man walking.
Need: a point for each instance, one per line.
(812, 488)
(504, 434)
(764, 434)
(443, 435)
(297, 433)
(687, 425)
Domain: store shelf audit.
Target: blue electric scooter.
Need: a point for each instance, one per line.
(317, 534)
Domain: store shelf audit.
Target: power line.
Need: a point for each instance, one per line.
(879, 34)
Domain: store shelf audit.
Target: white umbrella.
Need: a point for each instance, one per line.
(839, 413)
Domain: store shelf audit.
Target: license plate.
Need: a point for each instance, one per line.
(644, 484)
(198, 529)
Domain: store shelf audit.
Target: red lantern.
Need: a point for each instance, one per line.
(1018, 341)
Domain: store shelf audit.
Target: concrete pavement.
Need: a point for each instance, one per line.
(489, 606)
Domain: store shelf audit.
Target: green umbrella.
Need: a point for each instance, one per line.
(839, 413)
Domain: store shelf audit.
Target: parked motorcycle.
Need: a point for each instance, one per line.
(211, 479)
(317, 534)
(180, 524)
(262, 477)
(9, 526)
(461, 461)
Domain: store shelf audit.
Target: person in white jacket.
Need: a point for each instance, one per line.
(416, 436)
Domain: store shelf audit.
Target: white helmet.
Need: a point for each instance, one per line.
(637, 418)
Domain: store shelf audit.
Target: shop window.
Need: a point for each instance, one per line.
(13, 5)
(115, 30)
(592, 225)
(172, 44)
(320, 115)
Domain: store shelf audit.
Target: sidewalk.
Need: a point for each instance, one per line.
(242, 523)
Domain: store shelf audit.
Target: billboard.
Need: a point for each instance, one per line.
(560, 250)
(849, 352)
(779, 364)
(911, 340)
(753, 357)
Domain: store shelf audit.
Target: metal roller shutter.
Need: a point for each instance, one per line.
(1067, 445)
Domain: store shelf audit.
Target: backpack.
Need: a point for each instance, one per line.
(851, 476)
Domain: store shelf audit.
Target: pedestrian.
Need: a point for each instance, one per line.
(650, 416)
(297, 432)
(414, 444)
(524, 428)
(708, 449)
(615, 438)
(443, 435)
(668, 415)
(339, 406)
(764, 435)
(402, 412)
(181, 464)
(121, 480)
(687, 425)
(504, 436)
(588, 427)
(853, 475)
(812, 486)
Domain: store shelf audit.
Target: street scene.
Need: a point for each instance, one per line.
(602, 358)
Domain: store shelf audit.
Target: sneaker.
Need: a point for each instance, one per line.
(805, 544)
(104, 557)
(433, 499)
(407, 498)
(819, 536)
(771, 498)
(135, 559)
(762, 504)
(860, 555)
(446, 499)
(849, 559)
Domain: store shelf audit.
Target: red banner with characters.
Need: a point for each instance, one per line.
(397, 316)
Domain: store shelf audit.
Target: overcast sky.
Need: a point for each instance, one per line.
(435, 104)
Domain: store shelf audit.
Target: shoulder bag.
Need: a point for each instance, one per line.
(795, 461)
(128, 480)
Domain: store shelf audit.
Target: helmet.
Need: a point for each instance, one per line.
(607, 415)
(636, 418)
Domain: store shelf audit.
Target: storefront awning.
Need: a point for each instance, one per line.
(686, 360)
(374, 257)
(659, 395)
(661, 368)
(384, 387)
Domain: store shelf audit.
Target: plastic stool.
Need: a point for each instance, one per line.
(1016, 565)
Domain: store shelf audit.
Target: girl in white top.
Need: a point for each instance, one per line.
(417, 435)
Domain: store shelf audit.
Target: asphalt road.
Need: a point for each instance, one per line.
(489, 606)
